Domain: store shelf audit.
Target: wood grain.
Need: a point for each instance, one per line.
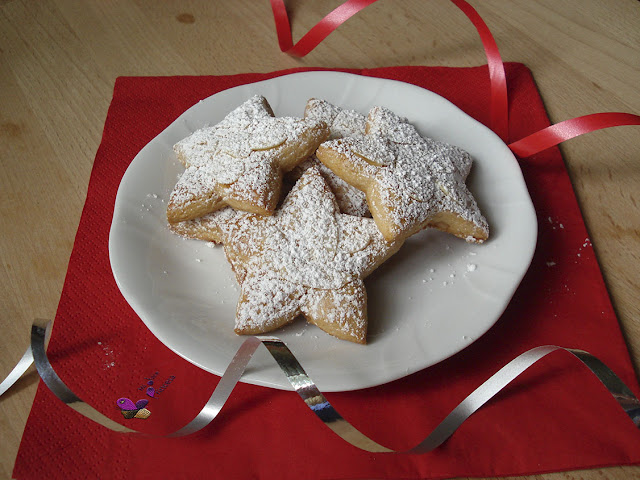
(59, 60)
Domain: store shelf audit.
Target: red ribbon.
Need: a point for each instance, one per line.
(499, 105)
(319, 32)
(530, 145)
(555, 134)
(497, 78)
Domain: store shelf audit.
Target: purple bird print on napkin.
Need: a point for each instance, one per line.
(133, 410)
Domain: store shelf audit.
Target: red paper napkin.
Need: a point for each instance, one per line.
(556, 416)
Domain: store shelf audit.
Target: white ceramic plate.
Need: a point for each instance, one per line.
(428, 302)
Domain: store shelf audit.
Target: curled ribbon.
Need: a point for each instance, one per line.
(558, 133)
(319, 32)
(497, 77)
(314, 398)
(499, 123)
(498, 82)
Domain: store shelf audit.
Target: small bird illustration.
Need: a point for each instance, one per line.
(133, 410)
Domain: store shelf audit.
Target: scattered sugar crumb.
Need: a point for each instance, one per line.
(108, 352)
(471, 267)
(555, 224)
(551, 264)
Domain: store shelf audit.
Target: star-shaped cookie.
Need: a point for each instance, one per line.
(410, 182)
(240, 161)
(342, 123)
(308, 258)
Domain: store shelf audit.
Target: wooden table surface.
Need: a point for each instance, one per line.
(59, 60)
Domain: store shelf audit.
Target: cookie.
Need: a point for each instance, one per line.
(308, 258)
(350, 200)
(213, 227)
(410, 182)
(342, 123)
(240, 161)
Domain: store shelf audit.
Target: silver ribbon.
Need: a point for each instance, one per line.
(312, 396)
